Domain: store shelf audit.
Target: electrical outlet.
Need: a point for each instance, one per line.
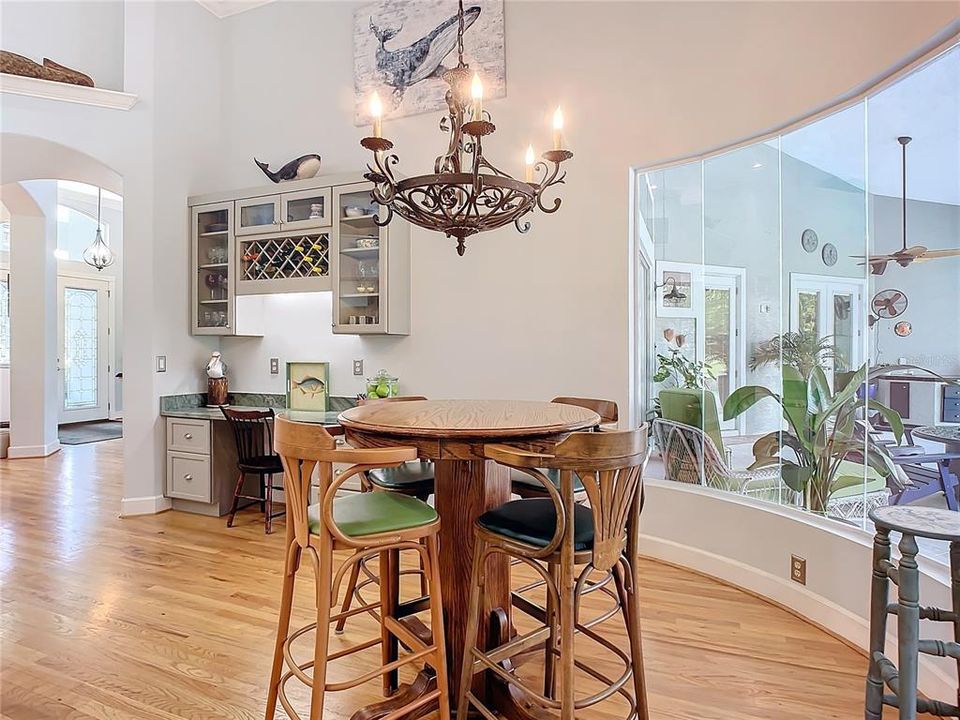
(161, 363)
(274, 366)
(798, 569)
(358, 367)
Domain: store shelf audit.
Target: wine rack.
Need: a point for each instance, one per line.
(287, 263)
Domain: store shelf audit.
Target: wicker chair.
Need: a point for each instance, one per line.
(691, 456)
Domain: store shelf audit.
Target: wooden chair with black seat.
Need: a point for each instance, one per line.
(368, 524)
(563, 542)
(252, 432)
(526, 487)
(415, 479)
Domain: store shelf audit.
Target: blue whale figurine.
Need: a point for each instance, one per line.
(303, 168)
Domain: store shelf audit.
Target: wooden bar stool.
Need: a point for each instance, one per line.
(368, 524)
(251, 430)
(527, 487)
(563, 541)
(414, 478)
(901, 679)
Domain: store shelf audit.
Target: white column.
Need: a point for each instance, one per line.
(34, 402)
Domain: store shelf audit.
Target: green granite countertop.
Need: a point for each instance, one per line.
(192, 406)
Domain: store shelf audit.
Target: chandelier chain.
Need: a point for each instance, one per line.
(460, 30)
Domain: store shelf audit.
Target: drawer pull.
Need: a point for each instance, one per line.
(188, 436)
(188, 477)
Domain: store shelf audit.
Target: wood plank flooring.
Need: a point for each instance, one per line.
(172, 616)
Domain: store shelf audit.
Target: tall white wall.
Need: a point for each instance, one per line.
(630, 99)
(931, 286)
(154, 155)
(87, 36)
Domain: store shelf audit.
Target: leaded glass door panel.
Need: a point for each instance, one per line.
(83, 349)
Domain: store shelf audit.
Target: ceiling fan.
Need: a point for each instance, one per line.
(905, 255)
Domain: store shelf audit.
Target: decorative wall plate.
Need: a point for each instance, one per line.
(903, 328)
(829, 255)
(809, 240)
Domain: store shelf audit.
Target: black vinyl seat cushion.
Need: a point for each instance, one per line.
(534, 521)
(414, 477)
(553, 475)
(265, 464)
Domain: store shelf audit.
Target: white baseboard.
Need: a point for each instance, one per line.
(150, 505)
(934, 681)
(33, 451)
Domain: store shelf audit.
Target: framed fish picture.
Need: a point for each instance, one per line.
(308, 386)
(401, 50)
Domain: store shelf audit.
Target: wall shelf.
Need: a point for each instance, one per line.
(50, 90)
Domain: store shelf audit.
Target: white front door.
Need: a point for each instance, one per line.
(832, 308)
(83, 348)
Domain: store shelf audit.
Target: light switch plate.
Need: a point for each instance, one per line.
(358, 367)
(161, 363)
(274, 366)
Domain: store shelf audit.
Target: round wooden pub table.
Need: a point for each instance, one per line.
(453, 433)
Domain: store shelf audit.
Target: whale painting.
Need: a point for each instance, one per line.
(401, 50)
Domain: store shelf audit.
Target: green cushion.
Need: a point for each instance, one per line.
(696, 408)
(371, 513)
(534, 521)
(849, 480)
(521, 478)
(413, 477)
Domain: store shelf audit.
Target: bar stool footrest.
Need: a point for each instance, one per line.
(927, 613)
(891, 678)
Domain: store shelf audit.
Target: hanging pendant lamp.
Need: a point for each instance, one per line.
(99, 255)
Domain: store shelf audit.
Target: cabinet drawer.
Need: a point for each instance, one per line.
(951, 405)
(951, 391)
(191, 436)
(951, 417)
(188, 477)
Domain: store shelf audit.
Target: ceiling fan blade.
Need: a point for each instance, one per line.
(915, 250)
(934, 254)
(878, 267)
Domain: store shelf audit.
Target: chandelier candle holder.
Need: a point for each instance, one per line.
(465, 194)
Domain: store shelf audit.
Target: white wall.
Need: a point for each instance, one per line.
(931, 286)
(564, 283)
(87, 36)
(156, 154)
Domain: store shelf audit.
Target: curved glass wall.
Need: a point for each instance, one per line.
(774, 341)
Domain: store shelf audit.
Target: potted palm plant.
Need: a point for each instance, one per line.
(803, 350)
(823, 438)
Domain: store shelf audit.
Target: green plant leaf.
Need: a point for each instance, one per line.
(818, 391)
(744, 398)
(844, 396)
(796, 477)
(795, 405)
(891, 416)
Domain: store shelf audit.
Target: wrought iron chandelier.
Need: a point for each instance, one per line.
(465, 194)
(98, 254)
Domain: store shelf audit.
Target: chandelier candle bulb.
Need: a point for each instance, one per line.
(558, 130)
(529, 160)
(376, 110)
(476, 92)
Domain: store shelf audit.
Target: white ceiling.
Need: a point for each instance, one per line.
(226, 8)
(924, 105)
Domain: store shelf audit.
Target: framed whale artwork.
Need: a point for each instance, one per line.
(308, 386)
(402, 48)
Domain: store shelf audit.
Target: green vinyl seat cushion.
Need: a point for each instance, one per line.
(553, 475)
(413, 478)
(371, 513)
(534, 521)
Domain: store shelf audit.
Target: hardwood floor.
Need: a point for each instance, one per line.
(173, 616)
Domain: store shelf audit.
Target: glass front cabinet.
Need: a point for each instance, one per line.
(319, 236)
(214, 307)
(371, 267)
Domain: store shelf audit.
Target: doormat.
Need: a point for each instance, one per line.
(89, 432)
